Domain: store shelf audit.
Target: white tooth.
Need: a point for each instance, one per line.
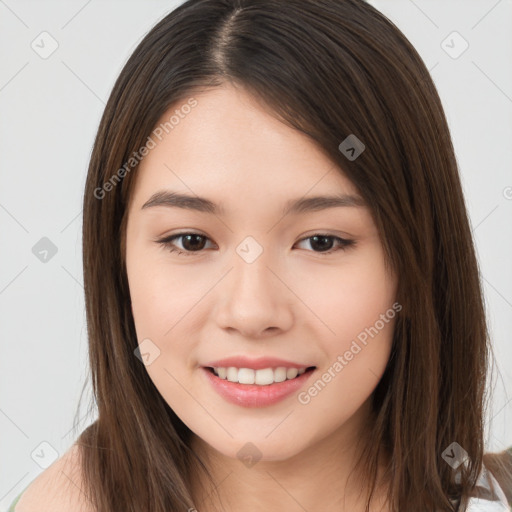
(264, 377)
(291, 373)
(280, 374)
(232, 374)
(246, 376)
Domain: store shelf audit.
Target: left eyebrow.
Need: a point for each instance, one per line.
(317, 203)
(171, 199)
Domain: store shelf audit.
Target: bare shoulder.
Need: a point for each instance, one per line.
(58, 488)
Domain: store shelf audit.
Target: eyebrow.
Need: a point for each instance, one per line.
(171, 199)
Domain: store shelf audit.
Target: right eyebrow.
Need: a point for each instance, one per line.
(174, 199)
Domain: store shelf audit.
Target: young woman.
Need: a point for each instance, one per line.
(283, 299)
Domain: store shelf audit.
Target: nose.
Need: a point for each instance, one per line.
(254, 299)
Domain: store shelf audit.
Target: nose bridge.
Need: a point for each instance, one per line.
(255, 299)
(252, 270)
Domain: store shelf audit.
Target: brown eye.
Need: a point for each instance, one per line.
(191, 243)
(323, 243)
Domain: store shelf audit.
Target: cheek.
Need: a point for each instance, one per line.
(162, 306)
(358, 306)
(160, 295)
(166, 308)
(350, 297)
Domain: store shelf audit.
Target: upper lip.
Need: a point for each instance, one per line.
(255, 364)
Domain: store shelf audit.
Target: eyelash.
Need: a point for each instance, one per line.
(167, 243)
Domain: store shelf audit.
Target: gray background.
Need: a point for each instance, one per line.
(51, 108)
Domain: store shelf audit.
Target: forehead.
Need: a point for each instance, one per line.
(228, 144)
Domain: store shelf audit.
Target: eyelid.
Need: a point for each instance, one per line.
(328, 232)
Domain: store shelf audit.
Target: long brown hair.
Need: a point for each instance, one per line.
(330, 69)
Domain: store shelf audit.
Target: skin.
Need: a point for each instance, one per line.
(292, 302)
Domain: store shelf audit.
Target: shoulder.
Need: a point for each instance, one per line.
(489, 496)
(500, 465)
(58, 488)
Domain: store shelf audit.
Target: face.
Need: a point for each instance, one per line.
(246, 276)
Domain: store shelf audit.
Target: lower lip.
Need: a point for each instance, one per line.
(252, 395)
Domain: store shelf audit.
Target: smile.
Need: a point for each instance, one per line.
(264, 387)
(262, 377)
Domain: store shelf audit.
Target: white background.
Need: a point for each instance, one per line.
(50, 110)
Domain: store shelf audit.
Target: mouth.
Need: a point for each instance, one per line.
(261, 377)
(262, 387)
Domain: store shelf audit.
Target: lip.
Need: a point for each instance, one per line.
(254, 364)
(252, 395)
